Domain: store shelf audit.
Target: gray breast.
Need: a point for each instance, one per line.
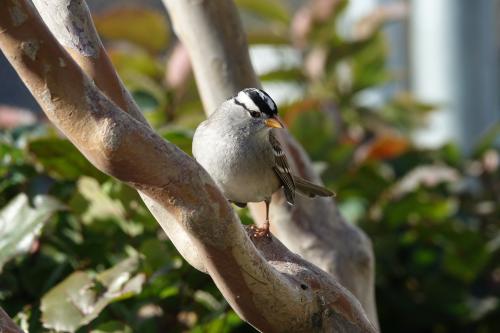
(240, 164)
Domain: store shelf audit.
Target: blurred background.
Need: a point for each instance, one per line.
(398, 105)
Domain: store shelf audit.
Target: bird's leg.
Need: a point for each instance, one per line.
(264, 231)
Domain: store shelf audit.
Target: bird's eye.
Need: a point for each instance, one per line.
(255, 114)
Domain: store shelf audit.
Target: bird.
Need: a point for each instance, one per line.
(237, 147)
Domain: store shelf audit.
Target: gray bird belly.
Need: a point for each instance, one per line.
(249, 182)
(244, 174)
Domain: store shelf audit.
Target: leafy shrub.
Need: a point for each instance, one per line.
(80, 252)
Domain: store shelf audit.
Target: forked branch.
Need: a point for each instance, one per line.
(267, 285)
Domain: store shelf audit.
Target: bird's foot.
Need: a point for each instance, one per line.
(261, 232)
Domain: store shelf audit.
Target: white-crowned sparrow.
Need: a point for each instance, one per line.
(237, 148)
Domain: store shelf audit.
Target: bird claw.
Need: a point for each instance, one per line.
(261, 232)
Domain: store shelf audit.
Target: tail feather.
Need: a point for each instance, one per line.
(309, 189)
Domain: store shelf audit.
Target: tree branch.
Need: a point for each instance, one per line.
(223, 61)
(314, 229)
(272, 289)
(70, 22)
(7, 325)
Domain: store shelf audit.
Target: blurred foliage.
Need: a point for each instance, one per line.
(101, 263)
(89, 257)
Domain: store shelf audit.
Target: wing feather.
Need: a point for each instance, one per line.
(282, 170)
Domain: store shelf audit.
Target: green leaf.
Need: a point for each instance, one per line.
(112, 327)
(61, 159)
(208, 300)
(80, 298)
(223, 323)
(353, 209)
(149, 95)
(22, 221)
(154, 251)
(289, 74)
(272, 10)
(419, 207)
(487, 141)
(465, 253)
(146, 101)
(142, 26)
(367, 60)
(135, 59)
(100, 205)
(264, 36)
(182, 138)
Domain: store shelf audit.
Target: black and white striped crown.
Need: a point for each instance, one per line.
(254, 99)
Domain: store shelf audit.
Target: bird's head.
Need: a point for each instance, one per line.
(254, 109)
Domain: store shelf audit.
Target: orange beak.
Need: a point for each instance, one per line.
(274, 123)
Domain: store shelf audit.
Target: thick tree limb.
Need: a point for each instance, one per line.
(6, 324)
(272, 289)
(71, 24)
(314, 229)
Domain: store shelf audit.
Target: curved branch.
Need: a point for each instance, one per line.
(6, 324)
(272, 289)
(70, 22)
(314, 229)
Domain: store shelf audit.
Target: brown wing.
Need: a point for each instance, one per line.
(282, 170)
(311, 190)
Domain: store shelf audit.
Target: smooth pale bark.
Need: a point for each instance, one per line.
(313, 228)
(270, 287)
